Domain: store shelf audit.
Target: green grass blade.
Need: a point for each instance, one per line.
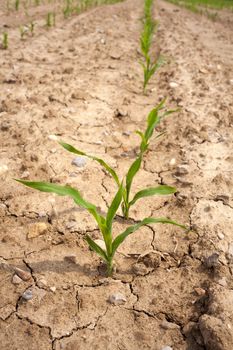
(113, 208)
(66, 191)
(161, 190)
(121, 237)
(96, 248)
(107, 167)
(153, 119)
(131, 173)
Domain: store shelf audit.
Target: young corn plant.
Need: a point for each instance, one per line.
(67, 11)
(32, 27)
(149, 27)
(5, 41)
(16, 5)
(104, 223)
(49, 20)
(153, 119)
(22, 31)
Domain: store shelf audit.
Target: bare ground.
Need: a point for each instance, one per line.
(82, 82)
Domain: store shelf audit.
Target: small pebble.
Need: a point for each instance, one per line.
(16, 279)
(25, 175)
(79, 162)
(169, 325)
(220, 235)
(173, 85)
(103, 41)
(212, 260)
(200, 291)
(167, 348)
(117, 299)
(173, 161)
(53, 289)
(3, 169)
(27, 295)
(53, 137)
(24, 275)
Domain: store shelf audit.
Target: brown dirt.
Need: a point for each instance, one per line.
(71, 81)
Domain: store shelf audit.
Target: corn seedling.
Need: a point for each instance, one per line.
(149, 27)
(16, 5)
(32, 27)
(22, 31)
(49, 20)
(67, 11)
(153, 119)
(104, 223)
(5, 41)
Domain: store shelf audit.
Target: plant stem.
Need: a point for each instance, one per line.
(109, 267)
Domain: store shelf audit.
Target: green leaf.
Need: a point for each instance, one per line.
(143, 145)
(131, 173)
(99, 160)
(169, 112)
(153, 119)
(66, 191)
(96, 248)
(113, 208)
(121, 237)
(151, 191)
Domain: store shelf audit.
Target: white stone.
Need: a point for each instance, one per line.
(117, 299)
(79, 162)
(173, 85)
(53, 137)
(3, 168)
(220, 235)
(173, 161)
(16, 279)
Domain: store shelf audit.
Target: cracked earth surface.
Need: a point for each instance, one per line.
(82, 82)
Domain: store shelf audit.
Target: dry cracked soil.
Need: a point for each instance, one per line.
(82, 82)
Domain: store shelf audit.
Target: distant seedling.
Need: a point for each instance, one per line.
(22, 31)
(32, 27)
(5, 41)
(16, 5)
(67, 11)
(149, 27)
(49, 20)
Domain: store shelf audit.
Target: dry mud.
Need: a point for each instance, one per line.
(82, 82)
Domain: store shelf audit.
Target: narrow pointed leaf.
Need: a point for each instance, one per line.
(66, 191)
(153, 119)
(131, 173)
(96, 248)
(113, 208)
(143, 145)
(151, 191)
(169, 112)
(120, 238)
(106, 166)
